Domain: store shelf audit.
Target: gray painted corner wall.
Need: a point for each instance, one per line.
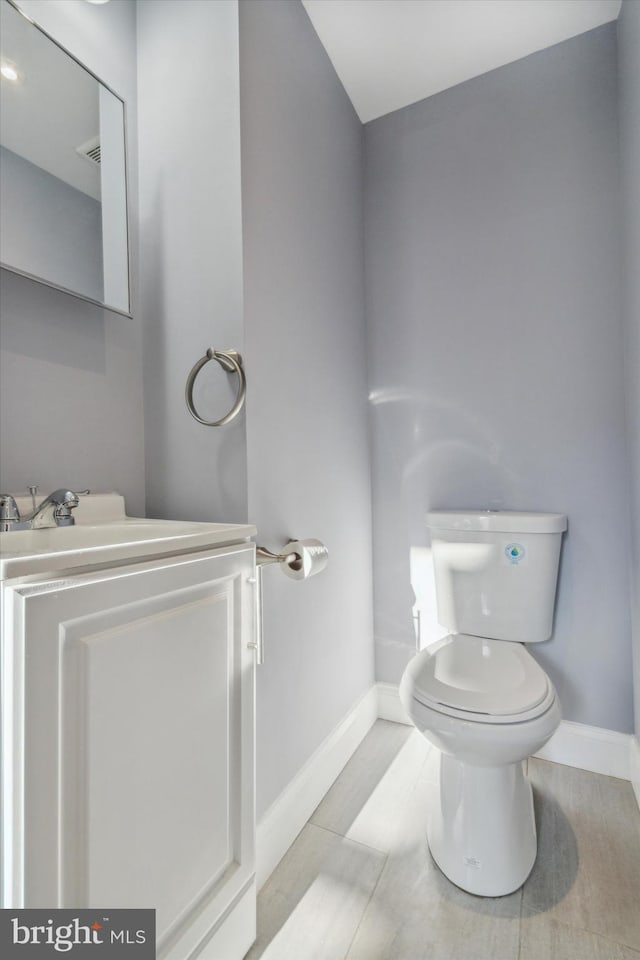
(70, 372)
(307, 437)
(190, 254)
(629, 76)
(493, 275)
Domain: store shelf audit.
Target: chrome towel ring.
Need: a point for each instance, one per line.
(229, 360)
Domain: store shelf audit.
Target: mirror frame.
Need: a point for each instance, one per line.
(50, 283)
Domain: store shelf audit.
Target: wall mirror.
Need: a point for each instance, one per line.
(63, 198)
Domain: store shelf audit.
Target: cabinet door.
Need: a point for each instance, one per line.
(128, 734)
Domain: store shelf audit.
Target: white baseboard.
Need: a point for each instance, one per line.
(389, 706)
(574, 744)
(635, 767)
(590, 748)
(286, 817)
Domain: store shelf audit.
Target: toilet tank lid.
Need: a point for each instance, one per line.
(497, 521)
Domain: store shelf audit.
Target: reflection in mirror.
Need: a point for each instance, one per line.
(63, 214)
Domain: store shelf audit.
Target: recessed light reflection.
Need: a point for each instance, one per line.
(9, 72)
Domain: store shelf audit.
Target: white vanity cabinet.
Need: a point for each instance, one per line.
(128, 744)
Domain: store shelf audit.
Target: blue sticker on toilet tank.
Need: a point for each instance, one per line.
(514, 552)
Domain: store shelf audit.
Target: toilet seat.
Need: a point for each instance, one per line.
(479, 679)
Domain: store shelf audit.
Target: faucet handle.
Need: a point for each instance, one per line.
(8, 508)
(9, 513)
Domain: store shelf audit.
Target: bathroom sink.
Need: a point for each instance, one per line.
(103, 534)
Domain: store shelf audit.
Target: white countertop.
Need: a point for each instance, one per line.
(103, 535)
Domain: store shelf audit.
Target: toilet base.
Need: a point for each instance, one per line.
(481, 828)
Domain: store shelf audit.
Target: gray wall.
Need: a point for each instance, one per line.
(190, 253)
(495, 345)
(629, 60)
(307, 443)
(70, 372)
(49, 228)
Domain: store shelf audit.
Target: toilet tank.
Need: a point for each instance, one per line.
(496, 572)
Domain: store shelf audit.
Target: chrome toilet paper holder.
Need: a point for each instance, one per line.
(264, 556)
(294, 565)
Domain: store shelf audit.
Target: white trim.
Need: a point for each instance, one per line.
(389, 706)
(590, 748)
(286, 817)
(635, 767)
(573, 744)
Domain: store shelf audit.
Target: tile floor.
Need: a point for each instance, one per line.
(359, 883)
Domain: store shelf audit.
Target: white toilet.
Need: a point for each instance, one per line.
(478, 694)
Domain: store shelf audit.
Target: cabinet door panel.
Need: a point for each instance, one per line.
(137, 723)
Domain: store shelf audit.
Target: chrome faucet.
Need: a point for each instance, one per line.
(54, 511)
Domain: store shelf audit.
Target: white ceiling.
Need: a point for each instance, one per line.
(389, 53)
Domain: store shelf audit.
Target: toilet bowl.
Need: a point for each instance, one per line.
(480, 826)
(480, 697)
